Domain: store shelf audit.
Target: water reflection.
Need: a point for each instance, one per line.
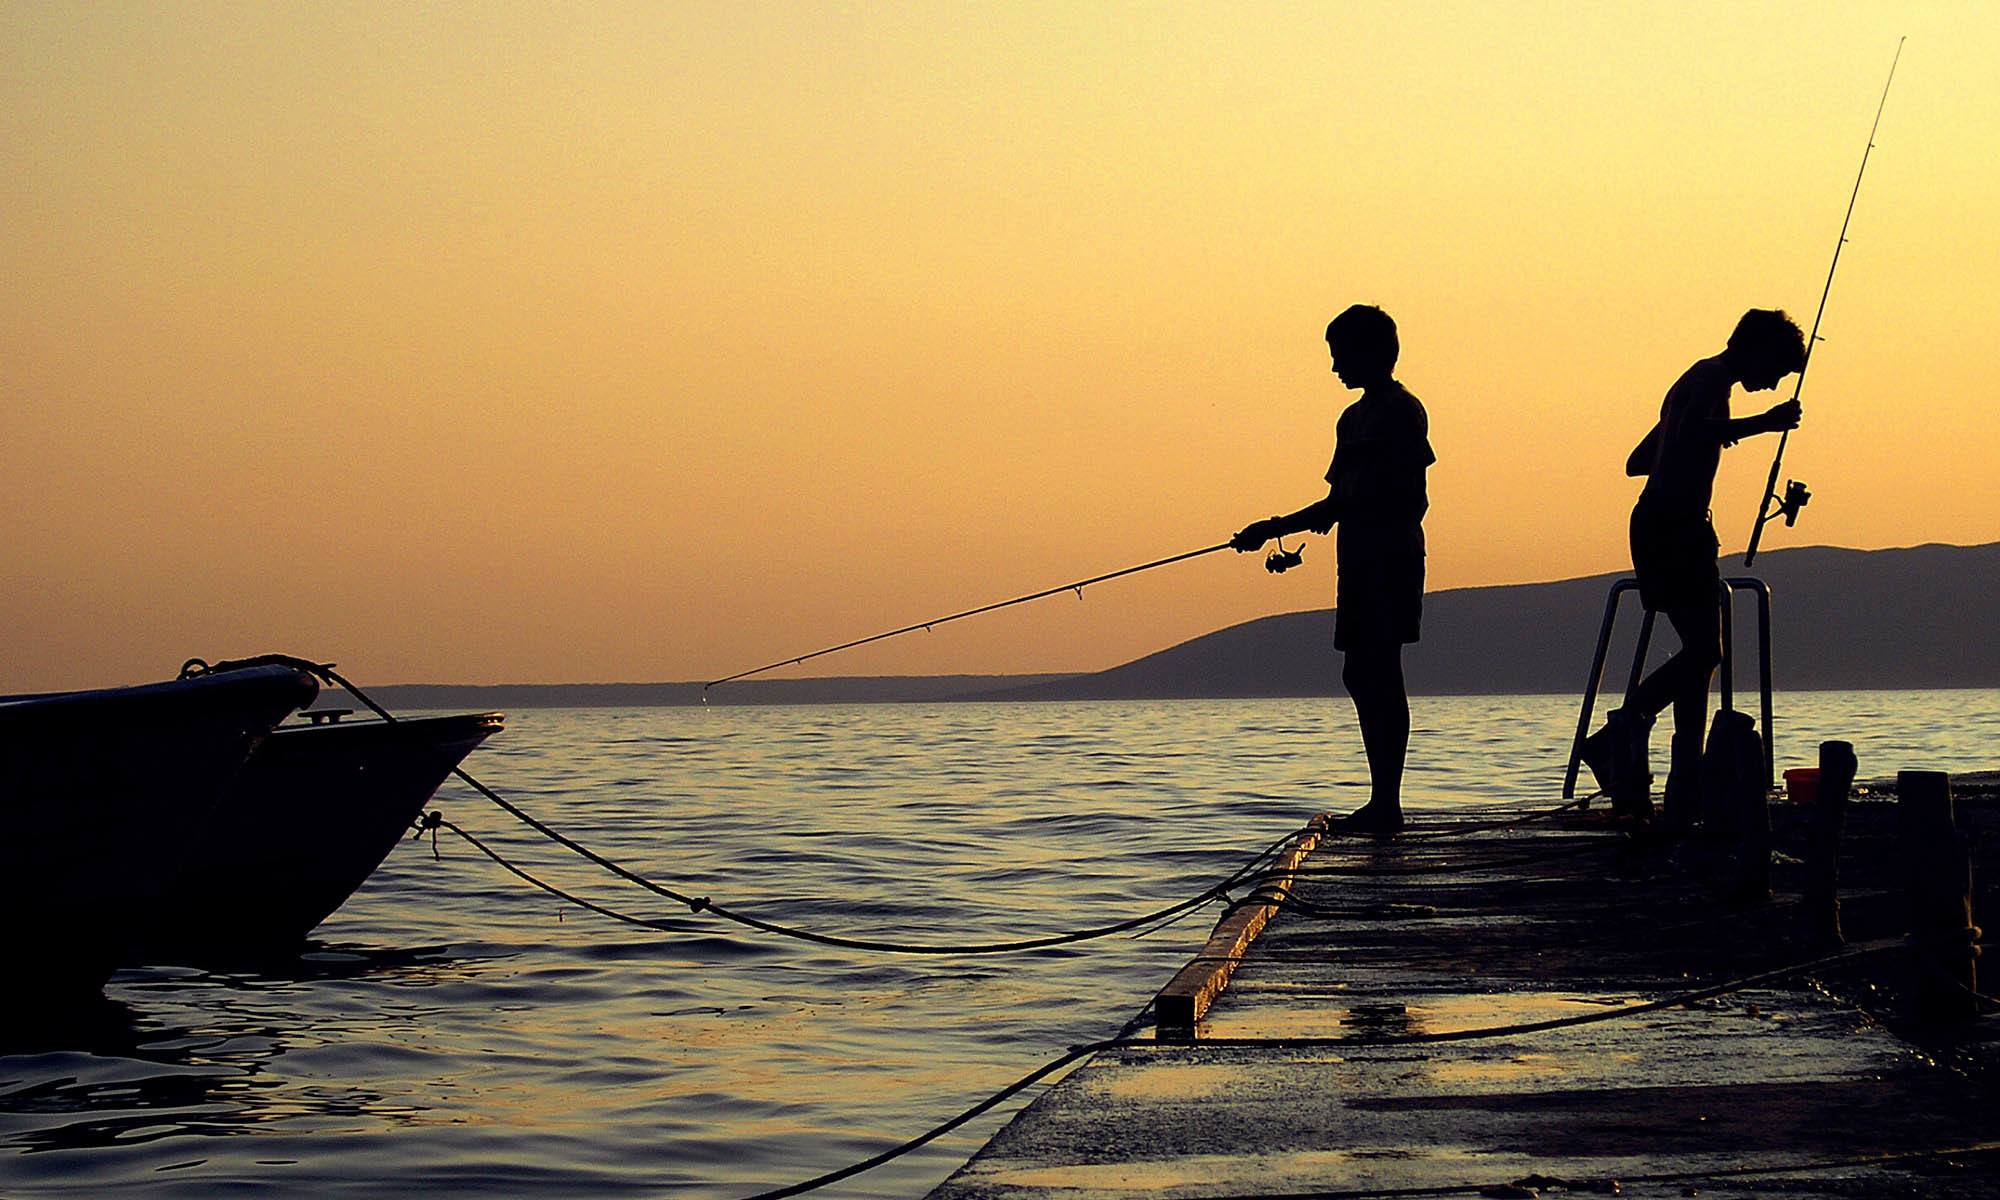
(184, 1052)
(1374, 1022)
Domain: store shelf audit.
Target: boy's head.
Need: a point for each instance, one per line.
(1363, 343)
(1766, 347)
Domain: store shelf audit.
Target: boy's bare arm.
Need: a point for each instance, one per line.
(1318, 517)
(1775, 419)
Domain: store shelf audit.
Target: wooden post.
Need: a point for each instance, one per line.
(1819, 915)
(1937, 877)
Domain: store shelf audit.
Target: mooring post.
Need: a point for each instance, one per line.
(1819, 916)
(1937, 877)
(1736, 812)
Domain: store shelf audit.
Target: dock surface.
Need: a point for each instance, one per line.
(1772, 1091)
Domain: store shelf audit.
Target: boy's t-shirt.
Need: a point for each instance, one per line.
(1381, 449)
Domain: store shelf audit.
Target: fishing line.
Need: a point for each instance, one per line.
(1796, 495)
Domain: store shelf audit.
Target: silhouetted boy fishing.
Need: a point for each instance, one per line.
(1375, 493)
(1674, 552)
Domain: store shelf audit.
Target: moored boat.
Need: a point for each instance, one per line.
(101, 795)
(313, 814)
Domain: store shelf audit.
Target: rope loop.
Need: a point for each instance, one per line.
(428, 823)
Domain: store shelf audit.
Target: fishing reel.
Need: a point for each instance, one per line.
(1283, 560)
(1795, 498)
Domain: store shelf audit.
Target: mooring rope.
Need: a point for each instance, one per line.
(1161, 919)
(1333, 843)
(698, 904)
(703, 904)
(1453, 868)
(1678, 1000)
(1508, 823)
(1074, 1053)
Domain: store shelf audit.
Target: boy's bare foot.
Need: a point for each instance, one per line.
(1370, 820)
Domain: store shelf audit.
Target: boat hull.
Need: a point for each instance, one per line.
(313, 814)
(102, 793)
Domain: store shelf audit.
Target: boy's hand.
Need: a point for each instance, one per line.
(1253, 535)
(1781, 417)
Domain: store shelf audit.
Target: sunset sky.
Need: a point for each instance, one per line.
(493, 343)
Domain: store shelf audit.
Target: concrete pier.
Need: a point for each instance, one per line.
(1779, 1090)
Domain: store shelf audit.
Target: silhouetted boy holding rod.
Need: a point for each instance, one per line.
(1674, 549)
(1375, 493)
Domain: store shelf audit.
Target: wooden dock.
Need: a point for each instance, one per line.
(1784, 1089)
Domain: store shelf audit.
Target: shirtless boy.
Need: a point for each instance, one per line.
(1674, 551)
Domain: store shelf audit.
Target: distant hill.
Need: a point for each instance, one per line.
(1920, 617)
(1926, 616)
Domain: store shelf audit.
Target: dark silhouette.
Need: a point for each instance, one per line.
(1375, 493)
(1674, 550)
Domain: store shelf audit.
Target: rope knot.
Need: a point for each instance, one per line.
(428, 823)
(697, 904)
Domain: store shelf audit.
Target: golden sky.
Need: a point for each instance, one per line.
(628, 342)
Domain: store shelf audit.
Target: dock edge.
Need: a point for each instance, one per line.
(1181, 1004)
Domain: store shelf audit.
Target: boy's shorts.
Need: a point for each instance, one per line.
(1379, 599)
(1674, 556)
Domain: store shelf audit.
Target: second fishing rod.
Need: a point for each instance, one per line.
(1795, 495)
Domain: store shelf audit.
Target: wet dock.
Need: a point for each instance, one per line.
(1391, 990)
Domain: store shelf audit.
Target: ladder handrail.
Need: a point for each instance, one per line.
(1725, 598)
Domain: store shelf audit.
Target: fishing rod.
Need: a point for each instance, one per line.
(1795, 495)
(1281, 560)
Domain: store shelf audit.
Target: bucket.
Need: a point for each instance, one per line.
(1802, 785)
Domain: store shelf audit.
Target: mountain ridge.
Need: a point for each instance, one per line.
(1908, 617)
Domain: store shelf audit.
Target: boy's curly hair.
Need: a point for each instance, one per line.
(1771, 336)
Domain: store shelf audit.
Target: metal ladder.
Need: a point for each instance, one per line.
(1725, 596)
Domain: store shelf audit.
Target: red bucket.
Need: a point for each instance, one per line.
(1802, 785)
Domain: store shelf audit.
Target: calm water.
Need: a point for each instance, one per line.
(454, 1033)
